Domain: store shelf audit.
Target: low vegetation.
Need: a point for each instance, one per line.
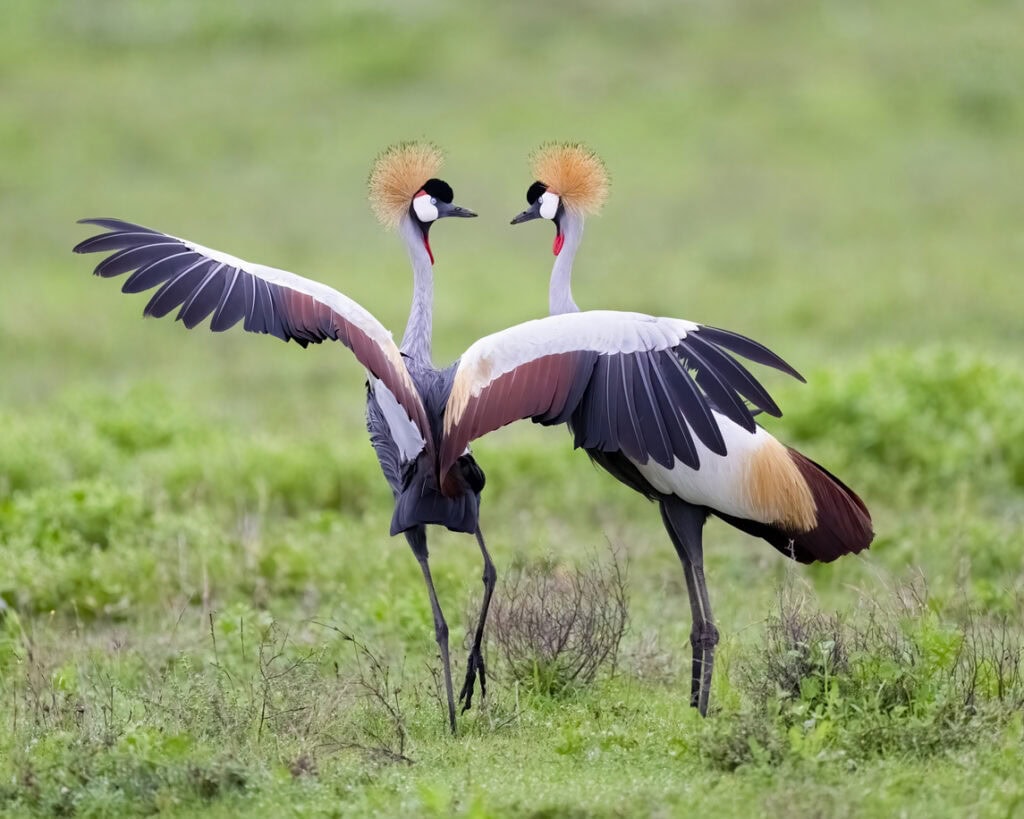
(891, 679)
(174, 637)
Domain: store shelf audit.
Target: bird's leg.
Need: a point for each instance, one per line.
(475, 663)
(685, 524)
(418, 541)
(703, 638)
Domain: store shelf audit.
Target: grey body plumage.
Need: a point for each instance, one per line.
(409, 471)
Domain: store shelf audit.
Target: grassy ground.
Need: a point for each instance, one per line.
(192, 526)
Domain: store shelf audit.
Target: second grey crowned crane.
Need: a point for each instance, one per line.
(748, 479)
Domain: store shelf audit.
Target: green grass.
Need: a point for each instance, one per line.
(190, 524)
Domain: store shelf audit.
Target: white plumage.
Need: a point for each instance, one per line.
(721, 481)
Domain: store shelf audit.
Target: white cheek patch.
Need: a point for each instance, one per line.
(426, 211)
(548, 205)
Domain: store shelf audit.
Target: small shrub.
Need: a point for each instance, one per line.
(556, 628)
(990, 663)
(799, 645)
(749, 738)
(894, 677)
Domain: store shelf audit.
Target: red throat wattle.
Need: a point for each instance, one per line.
(430, 253)
(556, 248)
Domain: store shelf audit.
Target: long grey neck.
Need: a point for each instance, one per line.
(418, 330)
(560, 289)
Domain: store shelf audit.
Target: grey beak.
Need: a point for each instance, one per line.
(532, 213)
(445, 209)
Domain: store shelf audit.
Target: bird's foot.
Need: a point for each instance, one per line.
(703, 638)
(474, 666)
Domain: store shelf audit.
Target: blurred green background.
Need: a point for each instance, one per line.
(830, 178)
(841, 181)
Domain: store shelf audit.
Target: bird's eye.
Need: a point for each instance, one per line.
(433, 200)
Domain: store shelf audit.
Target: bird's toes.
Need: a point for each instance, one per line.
(474, 667)
(466, 695)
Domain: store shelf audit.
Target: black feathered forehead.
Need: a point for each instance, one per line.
(535, 192)
(439, 189)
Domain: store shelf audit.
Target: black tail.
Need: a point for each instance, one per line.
(843, 521)
(420, 501)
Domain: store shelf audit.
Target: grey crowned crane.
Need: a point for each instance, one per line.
(736, 471)
(404, 391)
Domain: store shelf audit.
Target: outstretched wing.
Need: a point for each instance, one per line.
(201, 281)
(622, 381)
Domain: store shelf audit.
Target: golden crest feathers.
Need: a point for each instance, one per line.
(399, 171)
(574, 172)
